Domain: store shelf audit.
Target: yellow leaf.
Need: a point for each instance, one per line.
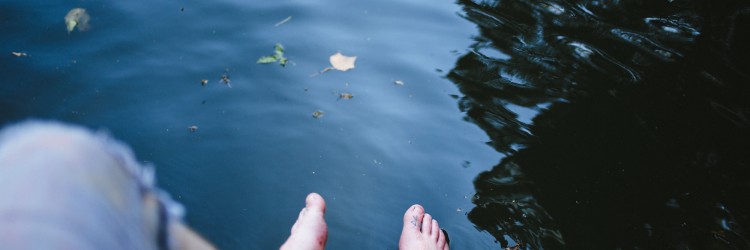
(342, 62)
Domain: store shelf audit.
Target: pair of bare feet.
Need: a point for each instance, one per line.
(310, 231)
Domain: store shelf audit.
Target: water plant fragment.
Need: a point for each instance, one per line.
(225, 78)
(287, 19)
(278, 56)
(345, 96)
(318, 114)
(77, 17)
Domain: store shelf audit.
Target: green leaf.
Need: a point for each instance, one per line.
(278, 51)
(267, 59)
(283, 61)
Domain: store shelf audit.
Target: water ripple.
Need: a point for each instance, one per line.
(646, 45)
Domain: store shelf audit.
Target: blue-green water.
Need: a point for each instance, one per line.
(545, 124)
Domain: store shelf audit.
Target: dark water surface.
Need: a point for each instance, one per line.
(591, 124)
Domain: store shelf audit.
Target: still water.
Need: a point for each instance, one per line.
(529, 124)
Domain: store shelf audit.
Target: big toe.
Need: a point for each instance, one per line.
(315, 203)
(310, 230)
(413, 219)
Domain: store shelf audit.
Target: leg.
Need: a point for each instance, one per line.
(421, 232)
(63, 187)
(310, 230)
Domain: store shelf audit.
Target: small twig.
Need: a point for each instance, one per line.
(287, 19)
(322, 71)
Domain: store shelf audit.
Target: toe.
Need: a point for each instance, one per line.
(441, 239)
(314, 203)
(446, 238)
(427, 224)
(413, 218)
(310, 231)
(435, 230)
(299, 218)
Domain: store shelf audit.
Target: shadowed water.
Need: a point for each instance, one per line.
(626, 123)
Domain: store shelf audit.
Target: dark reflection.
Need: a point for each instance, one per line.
(641, 129)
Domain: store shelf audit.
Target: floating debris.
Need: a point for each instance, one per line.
(342, 62)
(19, 54)
(193, 128)
(182, 9)
(287, 19)
(338, 62)
(318, 114)
(278, 56)
(466, 164)
(398, 82)
(225, 79)
(77, 17)
(204, 82)
(345, 96)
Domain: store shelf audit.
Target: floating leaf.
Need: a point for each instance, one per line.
(278, 50)
(278, 55)
(267, 59)
(77, 17)
(342, 62)
(346, 96)
(19, 54)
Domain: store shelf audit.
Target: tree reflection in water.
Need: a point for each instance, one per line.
(641, 128)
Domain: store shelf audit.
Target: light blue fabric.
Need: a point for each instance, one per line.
(64, 187)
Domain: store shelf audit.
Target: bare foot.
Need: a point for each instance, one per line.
(421, 232)
(310, 230)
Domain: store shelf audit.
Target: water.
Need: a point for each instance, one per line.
(591, 124)
(639, 136)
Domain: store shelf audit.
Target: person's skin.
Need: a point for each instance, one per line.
(309, 232)
(77, 171)
(421, 231)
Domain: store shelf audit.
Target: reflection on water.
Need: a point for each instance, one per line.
(640, 129)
